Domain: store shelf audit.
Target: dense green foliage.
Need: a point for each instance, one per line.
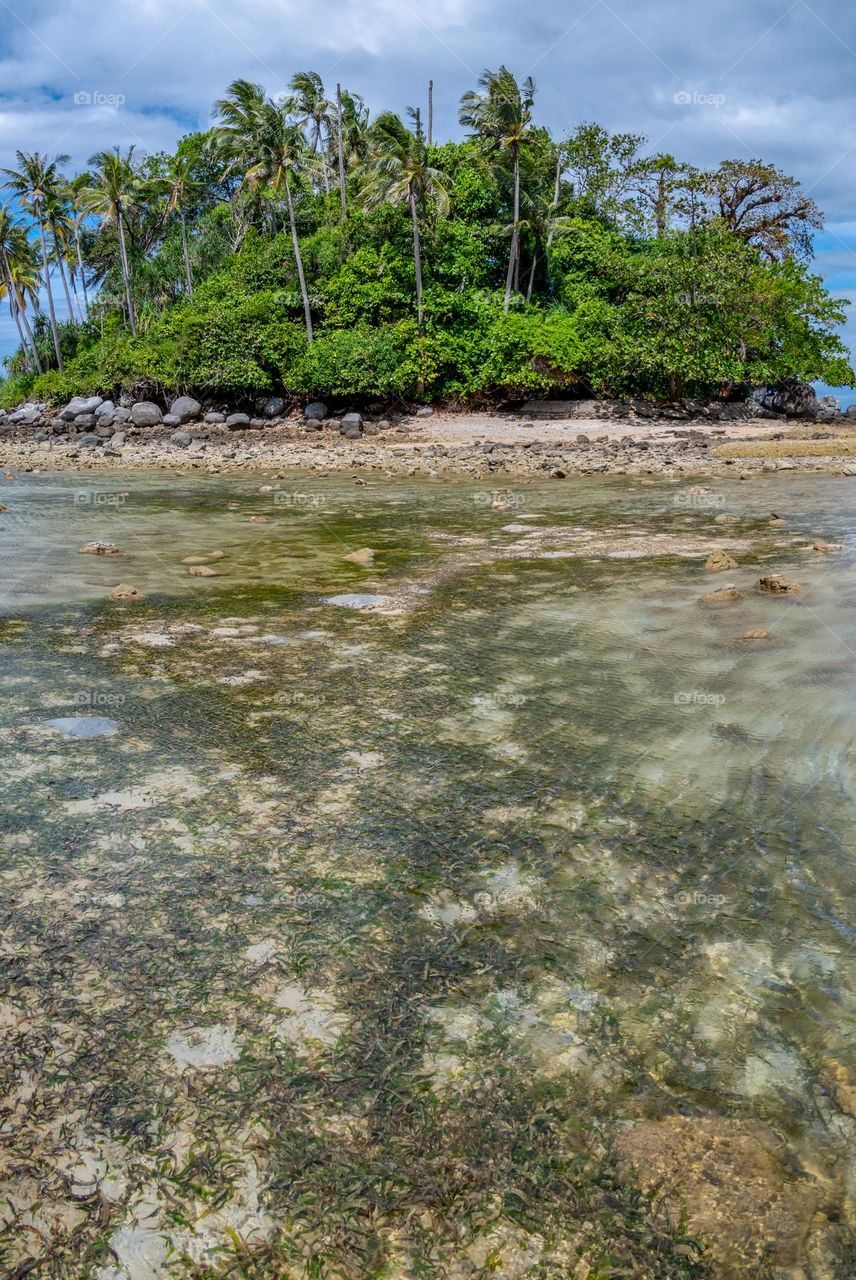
(505, 264)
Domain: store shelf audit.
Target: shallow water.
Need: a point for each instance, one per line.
(371, 913)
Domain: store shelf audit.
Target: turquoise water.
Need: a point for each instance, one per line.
(370, 918)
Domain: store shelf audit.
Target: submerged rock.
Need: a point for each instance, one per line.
(776, 584)
(725, 595)
(202, 571)
(719, 562)
(365, 557)
(84, 726)
(126, 591)
(100, 549)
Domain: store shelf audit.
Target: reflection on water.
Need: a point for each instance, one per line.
(403, 915)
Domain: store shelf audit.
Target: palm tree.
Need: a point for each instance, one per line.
(501, 115)
(77, 214)
(19, 275)
(35, 183)
(309, 105)
(59, 225)
(255, 138)
(112, 195)
(398, 172)
(180, 187)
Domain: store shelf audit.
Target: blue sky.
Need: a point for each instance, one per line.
(774, 79)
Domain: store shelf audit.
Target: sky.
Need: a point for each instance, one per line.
(706, 81)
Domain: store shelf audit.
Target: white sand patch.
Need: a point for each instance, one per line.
(262, 952)
(203, 1046)
(310, 1017)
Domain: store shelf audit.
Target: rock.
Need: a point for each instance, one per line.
(273, 407)
(827, 409)
(370, 430)
(80, 404)
(757, 633)
(100, 549)
(725, 595)
(425, 412)
(237, 421)
(792, 398)
(352, 433)
(185, 409)
(146, 414)
(89, 440)
(84, 421)
(106, 409)
(719, 562)
(258, 519)
(352, 420)
(104, 429)
(121, 414)
(125, 591)
(723, 518)
(316, 411)
(826, 548)
(117, 440)
(365, 557)
(202, 571)
(213, 416)
(736, 1184)
(258, 424)
(170, 420)
(776, 585)
(180, 439)
(211, 555)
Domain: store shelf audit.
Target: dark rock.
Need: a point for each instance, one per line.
(171, 420)
(184, 409)
(122, 414)
(84, 421)
(352, 433)
(89, 440)
(425, 412)
(317, 411)
(350, 420)
(146, 414)
(258, 424)
(273, 407)
(104, 429)
(180, 439)
(80, 404)
(792, 398)
(213, 416)
(237, 421)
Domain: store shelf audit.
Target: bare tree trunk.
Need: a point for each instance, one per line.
(47, 273)
(531, 284)
(342, 192)
(15, 309)
(64, 280)
(307, 310)
(557, 191)
(126, 273)
(187, 276)
(23, 312)
(80, 268)
(515, 235)
(318, 148)
(430, 113)
(417, 256)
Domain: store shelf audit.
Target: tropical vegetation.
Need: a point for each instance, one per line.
(302, 247)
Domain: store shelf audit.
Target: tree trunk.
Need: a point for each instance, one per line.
(417, 256)
(64, 280)
(49, 291)
(342, 191)
(15, 309)
(23, 313)
(430, 113)
(126, 273)
(557, 191)
(80, 269)
(515, 235)
(318, 148)
(307, 310)
(187, 276)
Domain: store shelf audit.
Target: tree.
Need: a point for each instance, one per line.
(112, 195)
(398, 172)
(77, 215)
(19, 275)
(180, 186)
(36, 182)
(256, 138)
(764, 207)
(501, 115)
(309, 105)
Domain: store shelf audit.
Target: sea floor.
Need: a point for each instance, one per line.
(434, 886)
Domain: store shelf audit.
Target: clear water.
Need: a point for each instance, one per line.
(357, 940)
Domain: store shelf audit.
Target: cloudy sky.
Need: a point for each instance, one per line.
(707, 81)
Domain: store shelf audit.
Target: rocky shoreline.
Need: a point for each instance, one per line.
(95, 434)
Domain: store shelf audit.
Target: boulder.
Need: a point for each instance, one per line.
(106, 409)
(352, 420)
(170, 420)
(104, 429)
(80, 404)
(214, 416)
(827, 409)
(121, 415)
(237, 421)
(777, 585)
(719, 562)
(352, 433)
(202, 571)
(84, 421)
(273, 407)
(180, 439)
(258, 424)
(725, 595)
(89, 440)
(793, 398)
(126, 591)
(146, 414)
(316, 411)
(425, 412)
(185, 409)
(117, 440)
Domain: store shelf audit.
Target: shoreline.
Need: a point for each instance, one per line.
(466, 446)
